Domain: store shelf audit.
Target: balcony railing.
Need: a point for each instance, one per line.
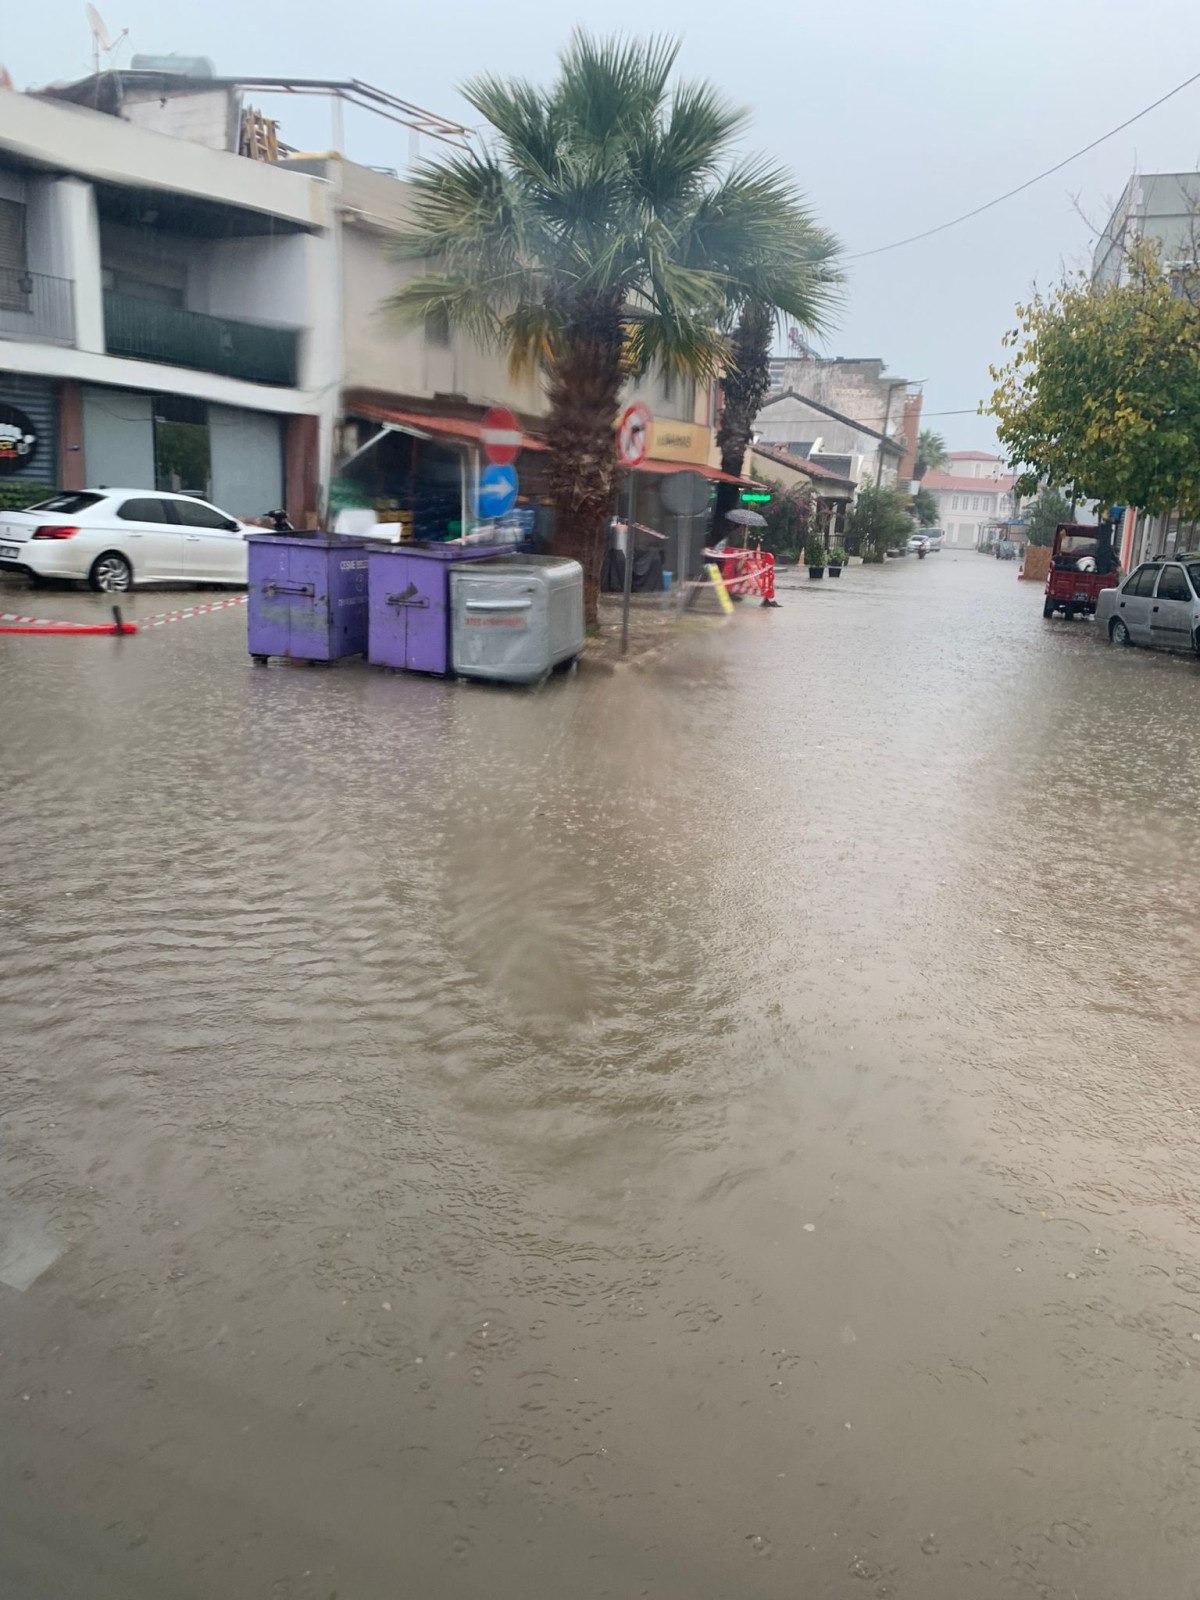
(148, 331)
(33, 306)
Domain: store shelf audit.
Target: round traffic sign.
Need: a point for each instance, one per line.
(497, 491)
(685, 493)
(501, 436)
(633, 434)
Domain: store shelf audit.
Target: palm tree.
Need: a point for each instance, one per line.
(931, 452)
(605, 228)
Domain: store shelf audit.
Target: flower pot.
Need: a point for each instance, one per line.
(835, 572)
(816, 572)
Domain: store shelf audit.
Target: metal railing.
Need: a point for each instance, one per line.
(148, 331)
(34, 306)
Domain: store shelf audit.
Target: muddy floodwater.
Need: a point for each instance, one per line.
(723, 1128)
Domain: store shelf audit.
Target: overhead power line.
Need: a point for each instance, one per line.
(954, 222)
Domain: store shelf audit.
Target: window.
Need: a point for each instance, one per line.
(1142, 582)
(69, 505)
(195, 514)
(437, 327)
(14, 279)
(1194, 575)
(954, 503)
(1173, 585)
(146, 511)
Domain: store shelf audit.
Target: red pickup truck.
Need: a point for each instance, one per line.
(1074, 581)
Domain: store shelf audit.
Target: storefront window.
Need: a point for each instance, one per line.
(182, 452)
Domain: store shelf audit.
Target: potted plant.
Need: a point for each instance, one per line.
(814, 556)
(837, 560)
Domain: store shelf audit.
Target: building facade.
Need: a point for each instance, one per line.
(161, 311)
(973, 489)
(184, 308)
(860, 391)
(809, 429)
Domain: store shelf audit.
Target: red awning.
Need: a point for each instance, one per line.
(462, 428)
(652, 464)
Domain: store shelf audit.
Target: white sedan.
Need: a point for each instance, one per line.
(114, 538)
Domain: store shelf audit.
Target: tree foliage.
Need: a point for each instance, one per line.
(931, 452)
(1044, 515)
(878, 521)
(1101, 389)
(925, 508)
(789, 518)
(608, 226)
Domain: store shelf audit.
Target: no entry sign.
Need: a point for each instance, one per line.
(501, 436)
(633, 434)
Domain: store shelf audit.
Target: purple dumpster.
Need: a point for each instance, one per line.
(308, 596)
(408, 590)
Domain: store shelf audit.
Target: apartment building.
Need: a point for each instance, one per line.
(161, 310)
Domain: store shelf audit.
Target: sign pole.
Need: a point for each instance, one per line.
(627, 588)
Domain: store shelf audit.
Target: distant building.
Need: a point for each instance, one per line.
(847, 406)
(972, 489)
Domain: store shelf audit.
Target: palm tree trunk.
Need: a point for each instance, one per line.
(745, 386)
(584, 391)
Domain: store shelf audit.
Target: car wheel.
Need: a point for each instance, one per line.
(1049, 608)
(111, 574)
(1118, 633)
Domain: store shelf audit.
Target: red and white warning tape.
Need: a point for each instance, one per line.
(39, 622)
(161, 618)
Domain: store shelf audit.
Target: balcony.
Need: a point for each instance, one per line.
(147, 331)
(35, 307)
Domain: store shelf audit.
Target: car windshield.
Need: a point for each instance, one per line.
(1075, 545)
(1193, 573)
(68, 504)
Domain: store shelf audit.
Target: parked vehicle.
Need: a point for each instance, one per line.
(934, 538)
(114, 538)
(1158, 604)
(918, 545)
(1075, 582)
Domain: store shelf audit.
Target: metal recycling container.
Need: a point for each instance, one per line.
(308, 596)
(408, 589)
(516, 618)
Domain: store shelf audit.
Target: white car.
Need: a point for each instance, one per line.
(114, 538)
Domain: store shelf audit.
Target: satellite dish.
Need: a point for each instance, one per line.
(102, 44)
(99, 31)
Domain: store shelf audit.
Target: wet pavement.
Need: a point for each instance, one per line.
(724, 1127)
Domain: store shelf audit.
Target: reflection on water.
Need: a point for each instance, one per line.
(720, 1129)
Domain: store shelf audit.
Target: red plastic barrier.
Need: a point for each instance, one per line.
(54, 630)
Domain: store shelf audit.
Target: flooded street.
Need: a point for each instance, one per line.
(726, 1127)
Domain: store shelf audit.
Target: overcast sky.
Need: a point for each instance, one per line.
(893, 116)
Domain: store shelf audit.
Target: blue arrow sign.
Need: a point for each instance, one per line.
(497, 491)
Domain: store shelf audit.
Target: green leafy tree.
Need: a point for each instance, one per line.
(925, 508)
(1049, 509)
(878, 521)
(606, 227)
(931, 452)
(1101, 389)
(789, 518)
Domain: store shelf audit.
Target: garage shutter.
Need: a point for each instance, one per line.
(38, 399)
(247, 461)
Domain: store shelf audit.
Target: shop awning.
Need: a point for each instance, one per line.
(652, 464)
(463, 429)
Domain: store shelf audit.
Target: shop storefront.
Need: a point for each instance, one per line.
(233, 457)
(418, 468)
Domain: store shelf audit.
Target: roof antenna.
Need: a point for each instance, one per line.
(102, 44)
